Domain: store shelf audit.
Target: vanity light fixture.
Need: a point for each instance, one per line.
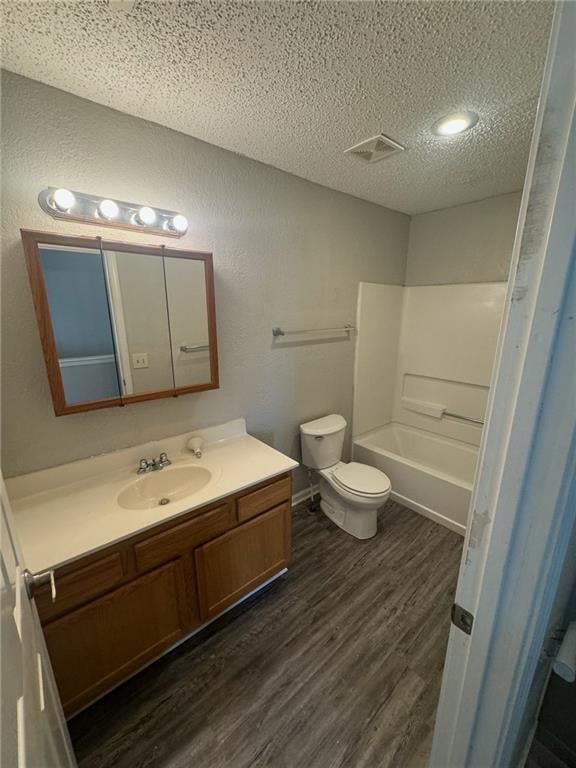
(178, 223)
(62, 203)
(108, 209)
(63, 199)
(146, 216)
(455, 123)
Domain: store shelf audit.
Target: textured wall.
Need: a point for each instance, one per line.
(469, 243)
(286, 252)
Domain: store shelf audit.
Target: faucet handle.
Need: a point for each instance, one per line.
(163, 460)
(143, 466)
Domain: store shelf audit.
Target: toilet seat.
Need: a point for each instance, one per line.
(360, 479)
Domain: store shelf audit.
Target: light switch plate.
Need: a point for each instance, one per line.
(140, 360)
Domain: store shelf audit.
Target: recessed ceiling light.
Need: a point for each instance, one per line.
(455, 123)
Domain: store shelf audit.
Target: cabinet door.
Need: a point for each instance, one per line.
(100, 644)
(235, 563)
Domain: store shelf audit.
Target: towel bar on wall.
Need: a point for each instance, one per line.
(193, 347)
(344, 329)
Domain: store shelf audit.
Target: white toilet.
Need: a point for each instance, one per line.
(350, 494)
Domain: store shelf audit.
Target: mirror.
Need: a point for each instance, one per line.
(76, 291)
(186, 293)
(121, 323)
(139, 314)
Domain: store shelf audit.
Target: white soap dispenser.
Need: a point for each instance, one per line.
(195, 444)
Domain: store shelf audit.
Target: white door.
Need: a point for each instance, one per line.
(34, 733)
(519, 549)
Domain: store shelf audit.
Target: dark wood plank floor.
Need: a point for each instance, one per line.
(335, 665)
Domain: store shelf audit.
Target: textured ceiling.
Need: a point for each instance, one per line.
(293, 84)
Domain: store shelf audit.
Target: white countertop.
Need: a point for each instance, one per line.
(70, 511)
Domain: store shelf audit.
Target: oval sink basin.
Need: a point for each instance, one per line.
(164, 486)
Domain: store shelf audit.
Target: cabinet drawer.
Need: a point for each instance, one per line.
(79, 585)
(271, 495)
(98, 645)
(183, 537)
(233, 564)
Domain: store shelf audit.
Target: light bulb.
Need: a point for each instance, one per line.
(63, 199)
(146, 215)
(179, 223)
(450, 125)
(108, 209)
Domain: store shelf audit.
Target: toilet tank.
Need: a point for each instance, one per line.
(322, 441)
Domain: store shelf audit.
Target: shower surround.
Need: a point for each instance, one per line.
(424, 359)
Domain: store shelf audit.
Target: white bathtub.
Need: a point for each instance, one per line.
(431, 474)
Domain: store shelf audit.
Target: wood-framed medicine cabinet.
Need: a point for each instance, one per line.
(120, 322)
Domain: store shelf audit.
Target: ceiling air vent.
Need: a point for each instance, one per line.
(375, 149)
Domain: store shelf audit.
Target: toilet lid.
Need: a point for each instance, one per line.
(362, 479)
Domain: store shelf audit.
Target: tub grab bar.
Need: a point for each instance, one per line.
(435, 410)
(463, 418)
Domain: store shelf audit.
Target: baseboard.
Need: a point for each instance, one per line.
(429, 513)
(304, 495)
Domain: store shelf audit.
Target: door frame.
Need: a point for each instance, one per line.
(514, 555)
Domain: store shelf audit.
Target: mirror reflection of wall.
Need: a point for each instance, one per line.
(140, 321)
(76, 290)
(186, 292)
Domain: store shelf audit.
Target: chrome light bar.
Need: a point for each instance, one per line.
(65, 204)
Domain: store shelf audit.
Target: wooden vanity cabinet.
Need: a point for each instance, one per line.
(96, 646)
(122, 607)
(233, 564)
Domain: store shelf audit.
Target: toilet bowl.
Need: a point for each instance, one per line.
(350, 493)
(351, 508)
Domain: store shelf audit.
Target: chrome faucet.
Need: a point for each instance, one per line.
(153, 465)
